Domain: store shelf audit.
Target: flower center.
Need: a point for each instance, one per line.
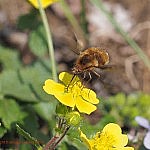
(103, 141)
(75, 88)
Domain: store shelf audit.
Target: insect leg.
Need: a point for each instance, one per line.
(84, 75)
(98, 75)
(90, 77)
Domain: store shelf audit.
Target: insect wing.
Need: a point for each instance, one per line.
(79, 43)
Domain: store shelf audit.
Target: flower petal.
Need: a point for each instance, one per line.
(110, 138)
(67, 78)
(121, 140)
(112, 128)
(51, 87)
(66, 99)
(85, 139)
(84, 107)
(45, 3)
(89, 96)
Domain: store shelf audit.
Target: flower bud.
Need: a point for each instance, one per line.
(73, 118)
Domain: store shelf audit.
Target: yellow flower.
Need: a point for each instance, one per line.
(111, 138)
(45, 3)
(72, 93)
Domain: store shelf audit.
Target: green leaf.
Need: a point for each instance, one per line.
(10, 85)
(76, 144)
(62, 110)
(120, 99)
(25, 147)
(104, 121)
(73, 133)
(71, 145)
(31, 124)
(28, 137)
(28, 21)
(125, 108)
(9, 58)
(62, 146)
(38, 42)
(10, 112)
(2, 131)
(35, 76)
(89, 129)
(45, 110)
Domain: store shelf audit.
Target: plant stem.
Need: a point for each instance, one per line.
(50, 143)
(118, 28)
(83, 17)
(61, 137)
(49, 41)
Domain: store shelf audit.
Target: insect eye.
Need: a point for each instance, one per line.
(85, 59)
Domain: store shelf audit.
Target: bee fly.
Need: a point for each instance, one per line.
(89, 59)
